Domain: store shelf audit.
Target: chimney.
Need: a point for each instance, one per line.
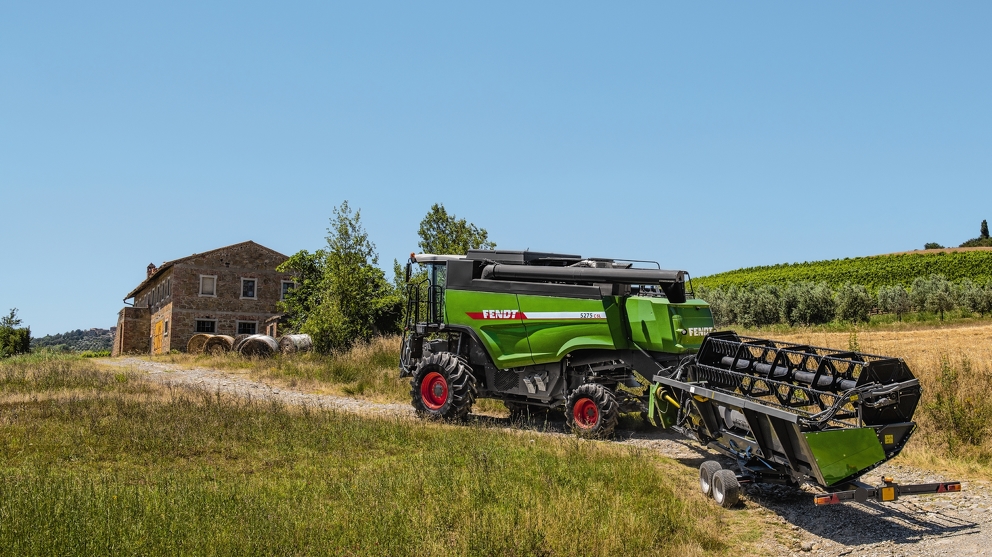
(151, 269)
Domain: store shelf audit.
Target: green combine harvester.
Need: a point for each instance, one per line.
(598, 338)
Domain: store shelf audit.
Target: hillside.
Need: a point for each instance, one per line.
(77, 341)
(871, 272)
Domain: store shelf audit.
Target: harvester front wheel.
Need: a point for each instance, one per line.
(592, 411)
(443, 387)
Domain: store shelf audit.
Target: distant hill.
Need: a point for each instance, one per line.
(879, 270)
(77, 341)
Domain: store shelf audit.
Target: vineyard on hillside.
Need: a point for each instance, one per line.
(870, 272)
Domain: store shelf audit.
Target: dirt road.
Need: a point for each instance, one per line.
(958, 524)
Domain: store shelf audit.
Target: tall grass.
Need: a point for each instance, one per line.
(136, 469)
(53, 372)
(954, 366)
(369, 369)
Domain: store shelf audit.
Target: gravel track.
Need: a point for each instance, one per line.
(924, 526)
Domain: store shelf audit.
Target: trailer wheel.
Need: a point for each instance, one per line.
(443, 387)
(592, 411)
(726, 488)
(706, 471)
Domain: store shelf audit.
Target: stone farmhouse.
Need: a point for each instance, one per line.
(229, 291)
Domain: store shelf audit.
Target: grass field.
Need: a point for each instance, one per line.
(954, 365)
(94, 462)
(953, 361)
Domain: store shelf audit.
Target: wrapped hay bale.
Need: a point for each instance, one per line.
(260, 346)
(195, 344)
(238, 341)
(290, 344)
(217, 344)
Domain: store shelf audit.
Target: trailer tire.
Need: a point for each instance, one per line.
(726, 488)
(592, 411)
(706, 471)
(443, 387)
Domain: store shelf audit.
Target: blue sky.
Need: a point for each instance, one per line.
(708, 136)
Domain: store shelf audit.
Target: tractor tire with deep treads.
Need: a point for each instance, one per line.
(443, 387)
(592, 411)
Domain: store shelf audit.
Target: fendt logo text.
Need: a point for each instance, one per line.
(499, 313)
(543, 315)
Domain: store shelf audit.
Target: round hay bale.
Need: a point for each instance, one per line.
(195, 344)
(218, 344)
(238, 340)
(260, 346)
(290, 344)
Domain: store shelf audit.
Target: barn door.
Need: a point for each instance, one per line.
(157, 339)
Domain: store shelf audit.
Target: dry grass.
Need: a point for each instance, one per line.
(954, 366)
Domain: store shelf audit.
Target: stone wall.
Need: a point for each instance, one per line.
(132, 332)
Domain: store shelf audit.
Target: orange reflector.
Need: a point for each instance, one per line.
(888, 494)
(887, 480)
(954, 487)
(828, 499)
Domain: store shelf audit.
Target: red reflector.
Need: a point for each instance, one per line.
(826, 499)
(954, 487)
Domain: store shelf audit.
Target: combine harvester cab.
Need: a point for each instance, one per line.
(599, 337)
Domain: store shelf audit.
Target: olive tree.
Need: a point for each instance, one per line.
(854, 303)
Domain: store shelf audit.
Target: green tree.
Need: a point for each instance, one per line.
(919, 291)
(940, 297)
(806, 303)
(894, 299)
(13, 339)
(985, 229)
(444, 233)
(932, 245)
(854, 303)
(308, 292)
(342, 296)
(757, 306)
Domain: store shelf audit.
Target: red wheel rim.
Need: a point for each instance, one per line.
(434, 390)
(586, 413)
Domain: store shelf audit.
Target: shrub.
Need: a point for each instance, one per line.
(806, 303)
(894, 299)
(932, 245)
(854, 303)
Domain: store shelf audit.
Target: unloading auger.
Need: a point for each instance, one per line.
(598, 338)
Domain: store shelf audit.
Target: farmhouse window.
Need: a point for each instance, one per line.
(287, 285)
(208, 285)
(248, 288)
(205, 326)
(165, 331)
(247, 327)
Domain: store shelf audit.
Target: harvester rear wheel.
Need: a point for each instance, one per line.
(706, 471)
(726, 488)
(443, 387)
(592, 411)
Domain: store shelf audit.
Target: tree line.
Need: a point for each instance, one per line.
(811, 303)
(343, 297)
